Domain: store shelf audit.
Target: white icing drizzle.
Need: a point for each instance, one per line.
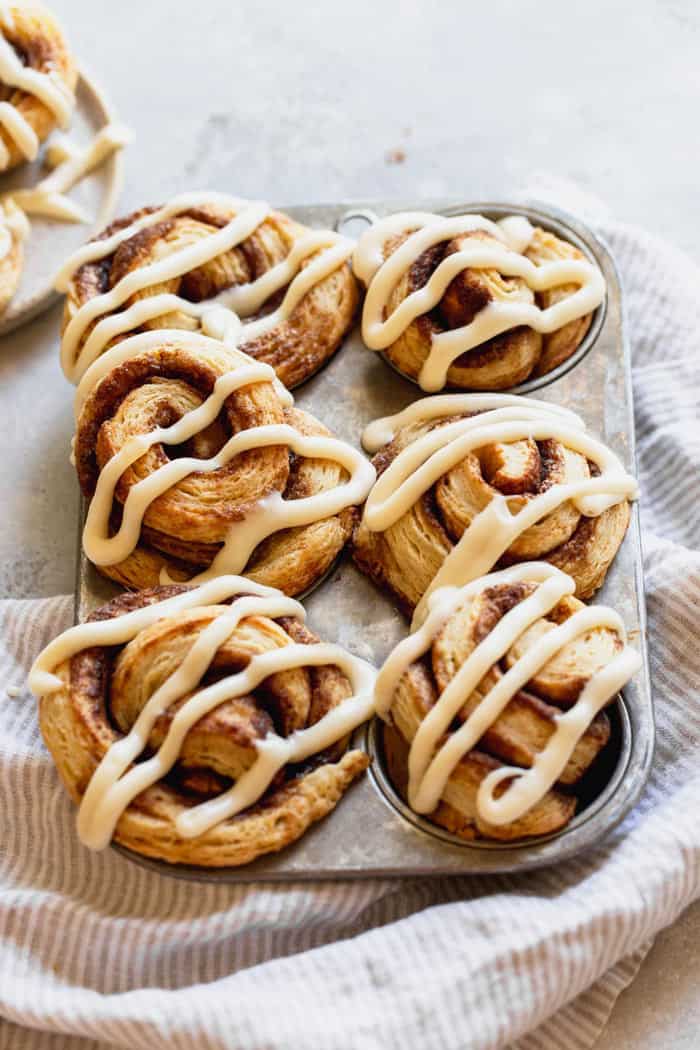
(6, 16)
(271, 513)
(14, 226)
(381, 276)
(433, 758)
(117, 781)
(73, 163)
(329, 251)
(49, 88)
(501, 418)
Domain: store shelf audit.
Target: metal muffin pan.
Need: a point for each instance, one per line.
(372, 833)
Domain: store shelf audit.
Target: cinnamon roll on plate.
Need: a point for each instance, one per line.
(204, 725)
(37, 80)
(472, 482)
(38, 77)
(40, 91)
(495, 705)
(472, 304)
(196, 463)
(197, 262)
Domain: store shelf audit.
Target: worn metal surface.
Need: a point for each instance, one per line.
(370, 833)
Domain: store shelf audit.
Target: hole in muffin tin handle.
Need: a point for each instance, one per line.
(350, 219)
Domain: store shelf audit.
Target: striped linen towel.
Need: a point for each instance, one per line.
(95, 951)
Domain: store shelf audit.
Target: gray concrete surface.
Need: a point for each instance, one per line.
(373, 99)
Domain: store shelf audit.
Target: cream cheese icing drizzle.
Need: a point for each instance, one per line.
(49, 88)
(513, 233)
(117, 781)
(434, 756)
(327, 251)
(271, 514)
(501, 418)
(72, 163)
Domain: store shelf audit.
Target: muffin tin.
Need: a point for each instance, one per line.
(373, 833)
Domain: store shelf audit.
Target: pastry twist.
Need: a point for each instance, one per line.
(495, 706)
(201, 725)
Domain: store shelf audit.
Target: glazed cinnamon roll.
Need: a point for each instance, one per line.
(37, 76)
(195, 264)
(201, 725)
(196, 464)
(495, 704)
(467, 303)
(469, 482)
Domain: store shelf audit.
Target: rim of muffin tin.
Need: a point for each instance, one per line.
(552, 222)
(587, 820)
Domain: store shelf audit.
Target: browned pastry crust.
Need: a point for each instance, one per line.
(296, 348)
(11, 264)
(406, 557)
(105, 688)
(184, 528)
(523, 728)
(38, 40)
(506, 360)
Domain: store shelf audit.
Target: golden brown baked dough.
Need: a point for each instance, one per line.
(104, 689)
(406, 556)
(38, 40)
(296, 348)
(13, 231)
(524, 727)
(500, 362)
(185, 527)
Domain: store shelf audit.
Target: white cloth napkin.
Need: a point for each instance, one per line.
(95, 951)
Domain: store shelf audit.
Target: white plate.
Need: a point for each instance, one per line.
(50, 241)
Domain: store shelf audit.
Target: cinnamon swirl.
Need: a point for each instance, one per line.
(196, 463)
(468, 303)
(197, 262)
(202, 725)
(496, 702)
(37, 76)
(475, 481)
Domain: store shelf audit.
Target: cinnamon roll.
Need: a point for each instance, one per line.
(468, 303)
(195, 264)
(201, 725)
(469, 482)
(196, 463)
(495, 705)
(37, 76)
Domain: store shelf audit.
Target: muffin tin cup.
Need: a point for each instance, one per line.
(615, 759)
(372, 832)
(554, 223)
